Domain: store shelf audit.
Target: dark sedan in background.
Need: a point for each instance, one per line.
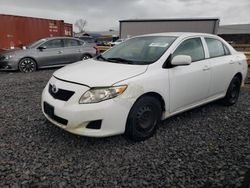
(45, 53)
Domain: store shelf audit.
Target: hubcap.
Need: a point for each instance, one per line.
(234, 93)
(85, 57)
(146, 118)
(27, 65)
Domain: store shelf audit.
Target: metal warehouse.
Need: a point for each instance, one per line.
(237, 33)
(135, 27)
(17, 31)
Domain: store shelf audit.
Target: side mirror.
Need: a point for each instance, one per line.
(41, 48)
(181, 60)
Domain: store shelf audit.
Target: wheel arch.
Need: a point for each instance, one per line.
(87, 54)
(156, 96)
(130, 131)
(239, 75)
(29, 58)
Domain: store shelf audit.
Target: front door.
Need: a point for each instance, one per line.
(189, 84)
(53, 54)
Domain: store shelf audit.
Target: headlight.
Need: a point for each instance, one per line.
(96, 95)
(8, 57)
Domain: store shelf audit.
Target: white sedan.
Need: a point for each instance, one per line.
(146, 79)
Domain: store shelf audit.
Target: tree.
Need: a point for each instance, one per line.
(81, 24)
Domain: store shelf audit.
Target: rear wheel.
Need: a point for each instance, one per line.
(233, 92)
(27, 65)
(143, 118)
(86, 56)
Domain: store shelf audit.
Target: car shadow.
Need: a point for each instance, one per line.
(67, 138)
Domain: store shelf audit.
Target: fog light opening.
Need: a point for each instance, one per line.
(94, 124)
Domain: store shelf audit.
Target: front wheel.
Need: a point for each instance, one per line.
(27, 65)
(233, 92)
(143, 119)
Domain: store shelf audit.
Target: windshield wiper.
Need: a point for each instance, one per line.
(101, 57)
(118, 59)
(115, 59)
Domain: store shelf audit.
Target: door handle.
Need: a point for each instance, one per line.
(206, 68)
(60, 52)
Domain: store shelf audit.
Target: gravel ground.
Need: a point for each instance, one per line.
(204, 147)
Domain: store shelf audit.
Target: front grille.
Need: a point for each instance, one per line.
(61, 94)
(49, 110)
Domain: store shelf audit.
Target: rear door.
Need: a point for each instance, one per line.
(73, 50)
(189, 84)
(222, 66)
(52, 55)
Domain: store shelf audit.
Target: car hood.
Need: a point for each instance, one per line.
(95, 73)
(12, 51)
(9, 51)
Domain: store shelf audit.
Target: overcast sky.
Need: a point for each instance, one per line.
(103, 15)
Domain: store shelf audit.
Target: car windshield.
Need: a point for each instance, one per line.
(36, 43)
(139, 50)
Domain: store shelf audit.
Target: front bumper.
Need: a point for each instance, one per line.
(112, 113)
(8, 65)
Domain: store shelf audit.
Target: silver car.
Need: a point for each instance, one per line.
(47, 52)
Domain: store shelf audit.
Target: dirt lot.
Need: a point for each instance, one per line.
(205, 147)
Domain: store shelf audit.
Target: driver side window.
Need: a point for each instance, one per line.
(191, 47)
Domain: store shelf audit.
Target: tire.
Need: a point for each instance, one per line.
(143, 119)
(233, 92)
(86, 56)
(27, 65)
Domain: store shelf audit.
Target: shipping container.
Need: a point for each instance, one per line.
(18, 31)
(129, 28)
(68, 30)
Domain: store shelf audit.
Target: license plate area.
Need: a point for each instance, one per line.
(49, 110)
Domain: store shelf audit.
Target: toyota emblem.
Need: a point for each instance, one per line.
(54, 88)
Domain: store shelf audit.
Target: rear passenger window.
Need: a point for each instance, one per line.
(191, 47)
(71, 43)
(216, 48)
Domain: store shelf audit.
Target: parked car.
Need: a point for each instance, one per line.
(47, 52)
(134, 85)
(89, 40)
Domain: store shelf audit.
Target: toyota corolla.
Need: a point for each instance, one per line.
(138, 83)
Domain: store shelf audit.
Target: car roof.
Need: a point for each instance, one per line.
(50, 38)
(180, 34)
(86, 37)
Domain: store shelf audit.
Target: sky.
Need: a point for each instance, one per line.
(102, 15)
